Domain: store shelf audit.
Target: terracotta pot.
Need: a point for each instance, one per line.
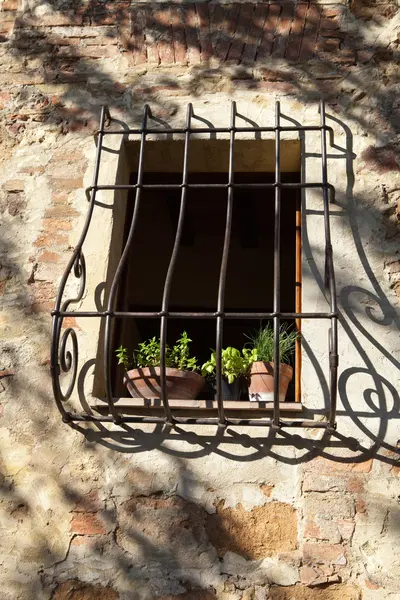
(145, 383)
(261, 386)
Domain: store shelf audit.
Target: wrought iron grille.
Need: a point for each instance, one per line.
(64, 360)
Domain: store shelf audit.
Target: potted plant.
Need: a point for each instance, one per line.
(261, 356)
(234, 367)
(144, 381)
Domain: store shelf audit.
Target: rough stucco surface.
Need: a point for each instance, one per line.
(141, 513)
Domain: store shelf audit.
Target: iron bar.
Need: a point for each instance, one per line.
(182, 130)
(196, 315)
(329, 277)
(177, 186)
(118, 273)
(223, 270)
(202, 421)
(277, 265)
(171, 268)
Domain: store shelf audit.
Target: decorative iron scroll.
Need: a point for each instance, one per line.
(64, 360)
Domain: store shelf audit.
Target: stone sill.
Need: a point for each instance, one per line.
(154, 406)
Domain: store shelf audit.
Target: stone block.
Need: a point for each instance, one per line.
(87, 523)
(258, 533)
(324, 554)
(165, 530)
(260, 572)
(298, 592)
(77, 590)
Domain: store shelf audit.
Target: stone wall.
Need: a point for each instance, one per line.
(193, 513)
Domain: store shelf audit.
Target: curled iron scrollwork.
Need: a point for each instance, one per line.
(65, 357)
(80, 273)
(69, 360)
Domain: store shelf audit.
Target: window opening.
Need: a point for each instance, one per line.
(249, 283)
(63, 360)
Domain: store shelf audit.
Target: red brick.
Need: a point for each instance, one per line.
(355, 485)
(48, 257)
(5, 98)
(190, 22)
(32, 170)
(361, 506)
(9, 5)
(56, 225)
(137, 41)
(60, 212)
(216, 12)
(164, 36)
(89, 503)
(47, 240)
(310, 32)
(311, 530)
(296, 33)
(69, 322)
(59, 197)
(151, 46)
(255, 34)
(371, 585)
(87, 524)
(61, 183)
(283, 30)
(345, 528)
(43, 296)
(270, 25)
(178, 36)
(230, 23)
(328, 45)
(241, 33)
(324, 553)
(14, 185)
(203, 17)
(342, 463)
(395, 470)
(329, 24)
(312, 576)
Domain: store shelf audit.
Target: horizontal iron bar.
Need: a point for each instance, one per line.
(194, 315)
(200, 421)
(150, 130)
(178, 186)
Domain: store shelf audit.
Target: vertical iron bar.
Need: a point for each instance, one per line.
(277, 274)
(171, 268)
(57, 320)
(224, 266)
(329, 275)
(118, 273)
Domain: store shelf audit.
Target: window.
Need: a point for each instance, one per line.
(212, 246)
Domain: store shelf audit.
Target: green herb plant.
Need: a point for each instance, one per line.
(234, 363)
(148, 355)
(261, 345)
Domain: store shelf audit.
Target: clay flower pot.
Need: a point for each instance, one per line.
(146, 383)
(261, 386)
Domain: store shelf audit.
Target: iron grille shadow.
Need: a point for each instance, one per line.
(67, 360)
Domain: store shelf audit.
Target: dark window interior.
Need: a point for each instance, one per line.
(249, 284)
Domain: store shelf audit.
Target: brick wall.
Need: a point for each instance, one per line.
(148, 515)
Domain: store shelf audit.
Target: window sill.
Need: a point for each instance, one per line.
(154, 405)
